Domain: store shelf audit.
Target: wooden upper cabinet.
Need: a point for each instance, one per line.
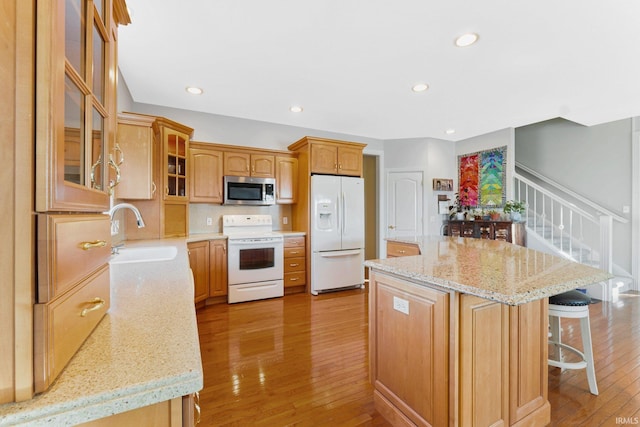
(175, 147)
(76, 103)
(248, 164)
(286, 179)
(205, 174)
(331, 157)
(136, 146)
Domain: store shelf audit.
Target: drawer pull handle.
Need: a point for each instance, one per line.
(97, 304)
(293, 265)
(293, 279)
(95, 244)
(294, 252)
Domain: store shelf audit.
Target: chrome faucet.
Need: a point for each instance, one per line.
(135, 210)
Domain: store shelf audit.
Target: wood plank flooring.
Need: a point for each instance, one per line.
(303, 361)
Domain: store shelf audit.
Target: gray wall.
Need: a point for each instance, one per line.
(594, 162)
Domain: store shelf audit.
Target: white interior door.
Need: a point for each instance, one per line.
(404, 204)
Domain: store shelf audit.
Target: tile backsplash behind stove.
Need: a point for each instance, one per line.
(200, 212)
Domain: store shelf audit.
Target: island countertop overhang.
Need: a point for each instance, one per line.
(494, 270)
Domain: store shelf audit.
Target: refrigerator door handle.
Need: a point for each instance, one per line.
(344, 215)
(339, 253)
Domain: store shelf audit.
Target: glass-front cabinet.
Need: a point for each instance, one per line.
(75, 104)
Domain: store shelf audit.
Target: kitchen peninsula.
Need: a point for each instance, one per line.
(458, 334)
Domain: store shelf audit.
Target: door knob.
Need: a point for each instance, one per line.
(391, 227)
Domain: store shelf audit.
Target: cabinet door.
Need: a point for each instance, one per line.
(324, 158)
(137, 145)
(75, 121)
(175, 148)
(199, 262)
(409, 348)
(218, 268)
(263, 166)
(286, 179)
(349, 161)
(237, 164)
(205, 175)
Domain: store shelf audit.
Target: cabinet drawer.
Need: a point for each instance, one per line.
(69, 248)
(294, 242)
(395, 249)
(296, 278)
(61, 326)
(294, 252)
(294, 264)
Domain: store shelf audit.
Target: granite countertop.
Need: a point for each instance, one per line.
(144, 351)
(490, 269)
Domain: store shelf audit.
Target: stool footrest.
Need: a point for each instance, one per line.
(568, 365)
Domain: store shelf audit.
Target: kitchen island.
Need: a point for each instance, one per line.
(458, 334)
(139, 362)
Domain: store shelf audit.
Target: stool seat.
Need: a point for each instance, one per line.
(571, 298)
(572, 304)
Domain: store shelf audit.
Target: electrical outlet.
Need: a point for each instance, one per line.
(209, 221)
(285, 220)
(401, 305)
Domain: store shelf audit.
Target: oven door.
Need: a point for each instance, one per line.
(255, 260)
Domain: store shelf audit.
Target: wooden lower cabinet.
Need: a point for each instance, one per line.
(397, 249)
(448, 358)
(295, 260)
(208, 261)
(179, 412)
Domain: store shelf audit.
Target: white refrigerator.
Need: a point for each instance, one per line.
(337, 232)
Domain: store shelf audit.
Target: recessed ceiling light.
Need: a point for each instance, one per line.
(194, 90)
(420, 87)
(450, 131)
(295, 109)
(466, 39)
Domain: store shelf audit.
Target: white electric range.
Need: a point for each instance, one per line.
(254, 259)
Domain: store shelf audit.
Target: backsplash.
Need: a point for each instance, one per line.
(200, 212)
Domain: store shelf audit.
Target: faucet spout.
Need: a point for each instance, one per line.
(135, 210)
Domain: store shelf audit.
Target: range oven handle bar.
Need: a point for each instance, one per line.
(253, 242)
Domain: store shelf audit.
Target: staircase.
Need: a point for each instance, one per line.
(563, 223)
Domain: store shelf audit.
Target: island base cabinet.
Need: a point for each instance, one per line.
(409, 356)
(176, 412)
(447, 358)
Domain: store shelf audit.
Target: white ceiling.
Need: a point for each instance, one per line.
(351, 63)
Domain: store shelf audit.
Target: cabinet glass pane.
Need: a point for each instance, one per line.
(98, 166)
(98, 65)
(73, 133)
(74, 31)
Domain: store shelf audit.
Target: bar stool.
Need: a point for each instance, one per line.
(572, 304)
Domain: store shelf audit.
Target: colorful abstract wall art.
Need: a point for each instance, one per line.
(482, 178)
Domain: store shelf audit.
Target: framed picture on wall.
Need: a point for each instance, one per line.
(442, 184)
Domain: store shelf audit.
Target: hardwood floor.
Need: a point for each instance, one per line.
(303, 361)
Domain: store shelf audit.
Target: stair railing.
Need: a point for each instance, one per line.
(578, 234)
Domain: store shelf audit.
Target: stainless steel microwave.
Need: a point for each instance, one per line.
(245, 190)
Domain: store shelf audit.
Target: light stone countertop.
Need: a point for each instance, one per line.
(489, 269)
(144, 351)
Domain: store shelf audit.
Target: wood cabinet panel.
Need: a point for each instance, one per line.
(199, 262)
(237, 164)
(286, 179)
(61, 326)
(294, 264)
(397, 249)
(205, 177)
(218, 283)
(168, 413)
(263, 165)
(484, 362)
(409, 354)
(137, 143)
(349, 160)
(70, 247)
(295, 261)
(324, 158)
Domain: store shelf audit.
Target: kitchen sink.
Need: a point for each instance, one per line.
(144, 254)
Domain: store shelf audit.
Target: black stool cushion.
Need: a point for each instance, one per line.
(572, 298)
